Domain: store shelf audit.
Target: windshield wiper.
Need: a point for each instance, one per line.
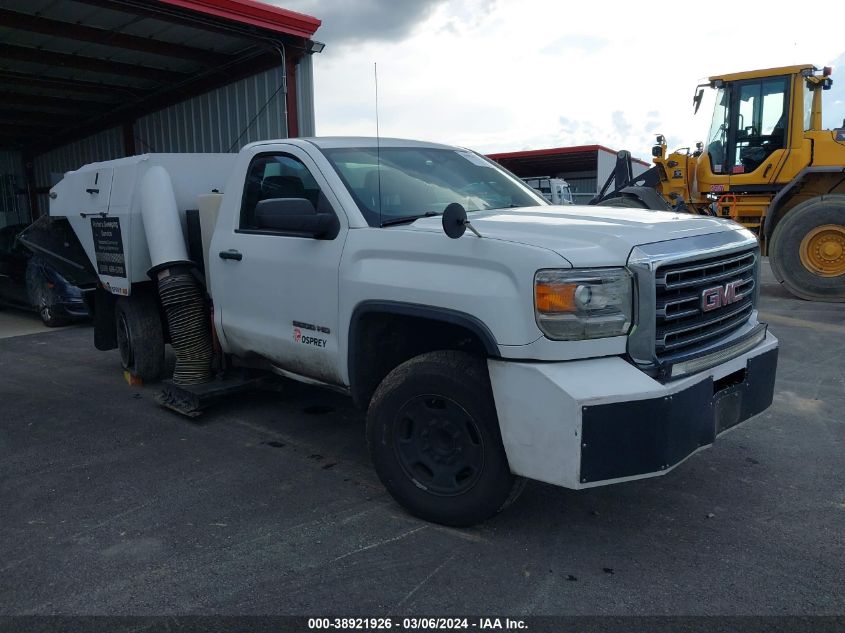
(409, 218)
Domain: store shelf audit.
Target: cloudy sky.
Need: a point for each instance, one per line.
(503, 75)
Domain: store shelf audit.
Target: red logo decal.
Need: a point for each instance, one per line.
(719, 296)
(297, 335)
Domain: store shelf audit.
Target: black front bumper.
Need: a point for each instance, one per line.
(625, 439)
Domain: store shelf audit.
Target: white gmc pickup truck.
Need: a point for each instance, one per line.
(489, 335)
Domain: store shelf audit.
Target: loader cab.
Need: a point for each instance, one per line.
(749, 128)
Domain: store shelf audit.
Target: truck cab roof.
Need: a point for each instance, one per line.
(336, 142)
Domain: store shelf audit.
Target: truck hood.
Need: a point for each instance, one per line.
(585, 235)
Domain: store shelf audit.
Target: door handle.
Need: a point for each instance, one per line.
(231, 254)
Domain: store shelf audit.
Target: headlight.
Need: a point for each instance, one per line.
(571, 305)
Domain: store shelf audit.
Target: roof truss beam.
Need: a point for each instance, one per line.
(15, 100)
(11, 80)
(89, 64)
(43, 119)
(160, 11)
(83, 33)
(175, 14)
(23, 130)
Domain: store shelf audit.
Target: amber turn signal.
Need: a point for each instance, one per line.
(551, 297)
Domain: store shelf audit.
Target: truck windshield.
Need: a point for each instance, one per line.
(412, 182)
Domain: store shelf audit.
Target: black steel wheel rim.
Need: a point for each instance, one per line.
(439, 445)
(123, 342)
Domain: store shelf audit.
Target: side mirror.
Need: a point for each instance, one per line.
(295, 215)
(455, 221)
(696, 100)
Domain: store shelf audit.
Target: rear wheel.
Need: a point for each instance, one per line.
(628, 202)
(807, 252)
(140, 336)
(434, 439)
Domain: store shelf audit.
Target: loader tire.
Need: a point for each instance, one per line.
(807, 250)
(434, 439)
(628, 202)
(140, 336)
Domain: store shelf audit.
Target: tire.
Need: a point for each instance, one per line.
(794, 251)
(433, 436)
(51, 315)
(41, 296)
(140, 336)
(624, 201)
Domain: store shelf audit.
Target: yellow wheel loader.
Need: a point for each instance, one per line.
(768, 165)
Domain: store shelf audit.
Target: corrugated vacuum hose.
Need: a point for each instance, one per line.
(181, 296)
(188, 322)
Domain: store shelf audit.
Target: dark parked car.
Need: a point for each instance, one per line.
(28, 281)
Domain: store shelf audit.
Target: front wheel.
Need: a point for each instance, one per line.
(807, 251)
(434, 439)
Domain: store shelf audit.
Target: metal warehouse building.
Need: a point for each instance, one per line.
(584, 167)
(90, 80)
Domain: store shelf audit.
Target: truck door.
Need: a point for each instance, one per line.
(276, 293)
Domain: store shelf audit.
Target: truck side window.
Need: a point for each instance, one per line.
(279, 176)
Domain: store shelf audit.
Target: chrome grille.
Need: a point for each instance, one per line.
(682, 323)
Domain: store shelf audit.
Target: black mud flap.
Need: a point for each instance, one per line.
(101, 304)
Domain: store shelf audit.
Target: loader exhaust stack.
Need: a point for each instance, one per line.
(180, 293)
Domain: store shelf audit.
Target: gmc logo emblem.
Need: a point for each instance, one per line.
(719, 296)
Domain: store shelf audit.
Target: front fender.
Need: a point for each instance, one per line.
(491, 281)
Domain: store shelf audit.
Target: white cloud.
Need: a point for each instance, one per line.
(360, 20)
(508, 75)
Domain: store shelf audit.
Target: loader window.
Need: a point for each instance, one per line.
(758, 122)
(808, 107)
(718, 138)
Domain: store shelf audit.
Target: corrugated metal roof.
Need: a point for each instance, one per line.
(257, 14)
(546, 162)
(98, 63)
